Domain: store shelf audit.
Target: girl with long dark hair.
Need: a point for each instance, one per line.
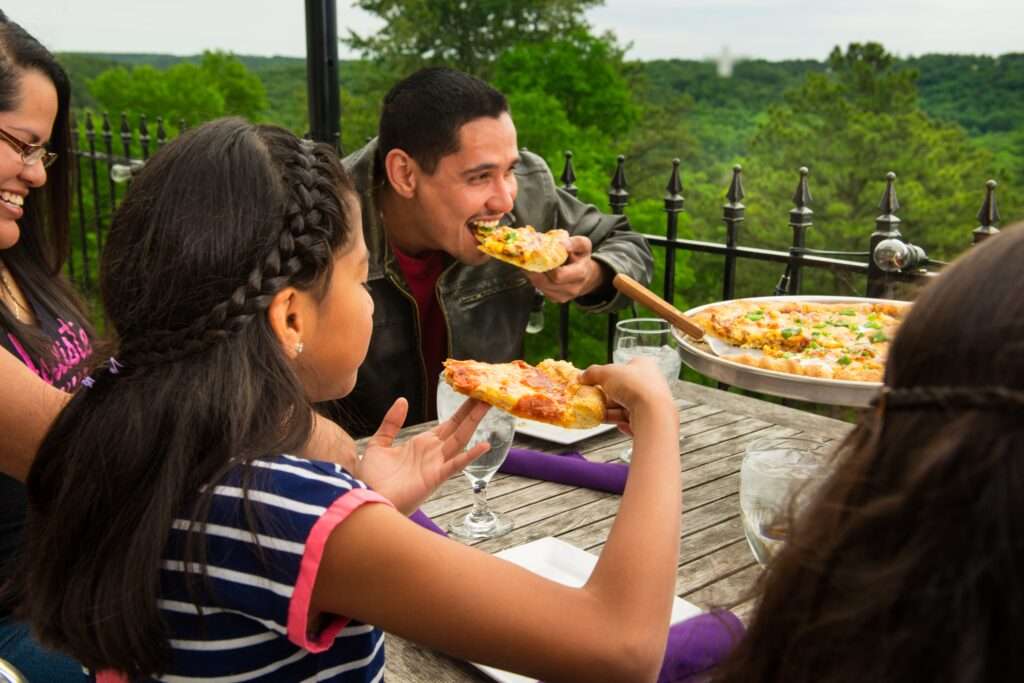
(42, 324)
(175, 530)
(907, 565)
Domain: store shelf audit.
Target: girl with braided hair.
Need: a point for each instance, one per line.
(907, 565)
(176, 530)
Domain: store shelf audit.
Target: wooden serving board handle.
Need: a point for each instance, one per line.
(640, 294)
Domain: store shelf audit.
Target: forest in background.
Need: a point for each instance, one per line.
(943, 123)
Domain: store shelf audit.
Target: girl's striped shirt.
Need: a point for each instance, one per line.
(255, 602)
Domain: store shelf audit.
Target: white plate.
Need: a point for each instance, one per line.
(558, 434)
(566, 564)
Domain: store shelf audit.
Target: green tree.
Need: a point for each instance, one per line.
(219, 85)
(459, 33)
(583, 72)
(850, 126)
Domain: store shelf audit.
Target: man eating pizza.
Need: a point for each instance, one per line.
(445, 165)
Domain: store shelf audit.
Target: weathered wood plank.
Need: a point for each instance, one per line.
(772, 412)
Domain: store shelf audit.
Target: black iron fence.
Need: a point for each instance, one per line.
(106, 158)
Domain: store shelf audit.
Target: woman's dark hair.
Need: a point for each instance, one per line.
(42, 248)
(907, 564)
(216, 223)
(422, 114)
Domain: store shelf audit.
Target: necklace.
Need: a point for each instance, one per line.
(10, 299)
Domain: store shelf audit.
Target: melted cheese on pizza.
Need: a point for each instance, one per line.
(523, 247)
(834, 341)
(549, 393)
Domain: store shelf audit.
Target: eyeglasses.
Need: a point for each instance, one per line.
(30, 154)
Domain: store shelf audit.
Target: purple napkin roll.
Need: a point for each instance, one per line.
(569, 468)
(698, 644)
(420, 517)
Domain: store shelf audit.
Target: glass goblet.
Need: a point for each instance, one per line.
(649, 337)
(777, 476)
(498, 429)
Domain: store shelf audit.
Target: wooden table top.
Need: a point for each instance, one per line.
(716, 568)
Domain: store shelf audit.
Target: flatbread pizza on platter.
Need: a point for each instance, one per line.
(523, 247)
(550, 392)
(836, 341)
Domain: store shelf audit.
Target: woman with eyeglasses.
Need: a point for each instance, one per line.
(45, 339)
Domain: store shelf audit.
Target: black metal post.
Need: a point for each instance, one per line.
(76, 146)
(733, 213)
(673, 206)
(988, 214)
(618, 198)
(144, 137)
(126, 137)
(322, 71)
(108, 145)
(161, 133)
(887, 226)
(90, 135)
(568, 179)
(800, 221)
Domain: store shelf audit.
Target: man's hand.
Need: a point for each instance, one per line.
(579, 275)
(408, 473)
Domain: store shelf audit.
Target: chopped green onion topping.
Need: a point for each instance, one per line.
(873, 325)
(754, 316)
(879, 337)
(844, 360)
(848, 311)
(791, 332)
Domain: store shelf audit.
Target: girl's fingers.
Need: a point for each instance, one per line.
(389, 426)
(468, 408)
(463, 430)
(459, 461)
(616, 414)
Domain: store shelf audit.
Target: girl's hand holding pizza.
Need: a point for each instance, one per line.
(408, 473)
(631, 388)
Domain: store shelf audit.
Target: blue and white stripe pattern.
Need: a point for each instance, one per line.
(256, 599)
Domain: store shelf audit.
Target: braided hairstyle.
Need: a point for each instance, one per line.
(906, 566)
(219, 221)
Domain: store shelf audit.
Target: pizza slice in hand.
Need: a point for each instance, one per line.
(550, 392)
(523, 247)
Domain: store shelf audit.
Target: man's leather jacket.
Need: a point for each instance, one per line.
(486, 307)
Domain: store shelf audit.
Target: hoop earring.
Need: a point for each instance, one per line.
(298, 347)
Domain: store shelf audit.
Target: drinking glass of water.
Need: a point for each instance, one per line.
(650, 337)
(777, 473)
(497, 428)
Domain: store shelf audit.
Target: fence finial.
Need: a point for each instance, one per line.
(618, 195)
(568, 176)
(733, 213)
(890, 203)
(802, 197)
(988, 214)
(735, 194)
(674, 190)
(887, 224)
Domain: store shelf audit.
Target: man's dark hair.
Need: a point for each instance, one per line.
(422, 114)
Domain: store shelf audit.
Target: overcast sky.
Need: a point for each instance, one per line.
(690, 29)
